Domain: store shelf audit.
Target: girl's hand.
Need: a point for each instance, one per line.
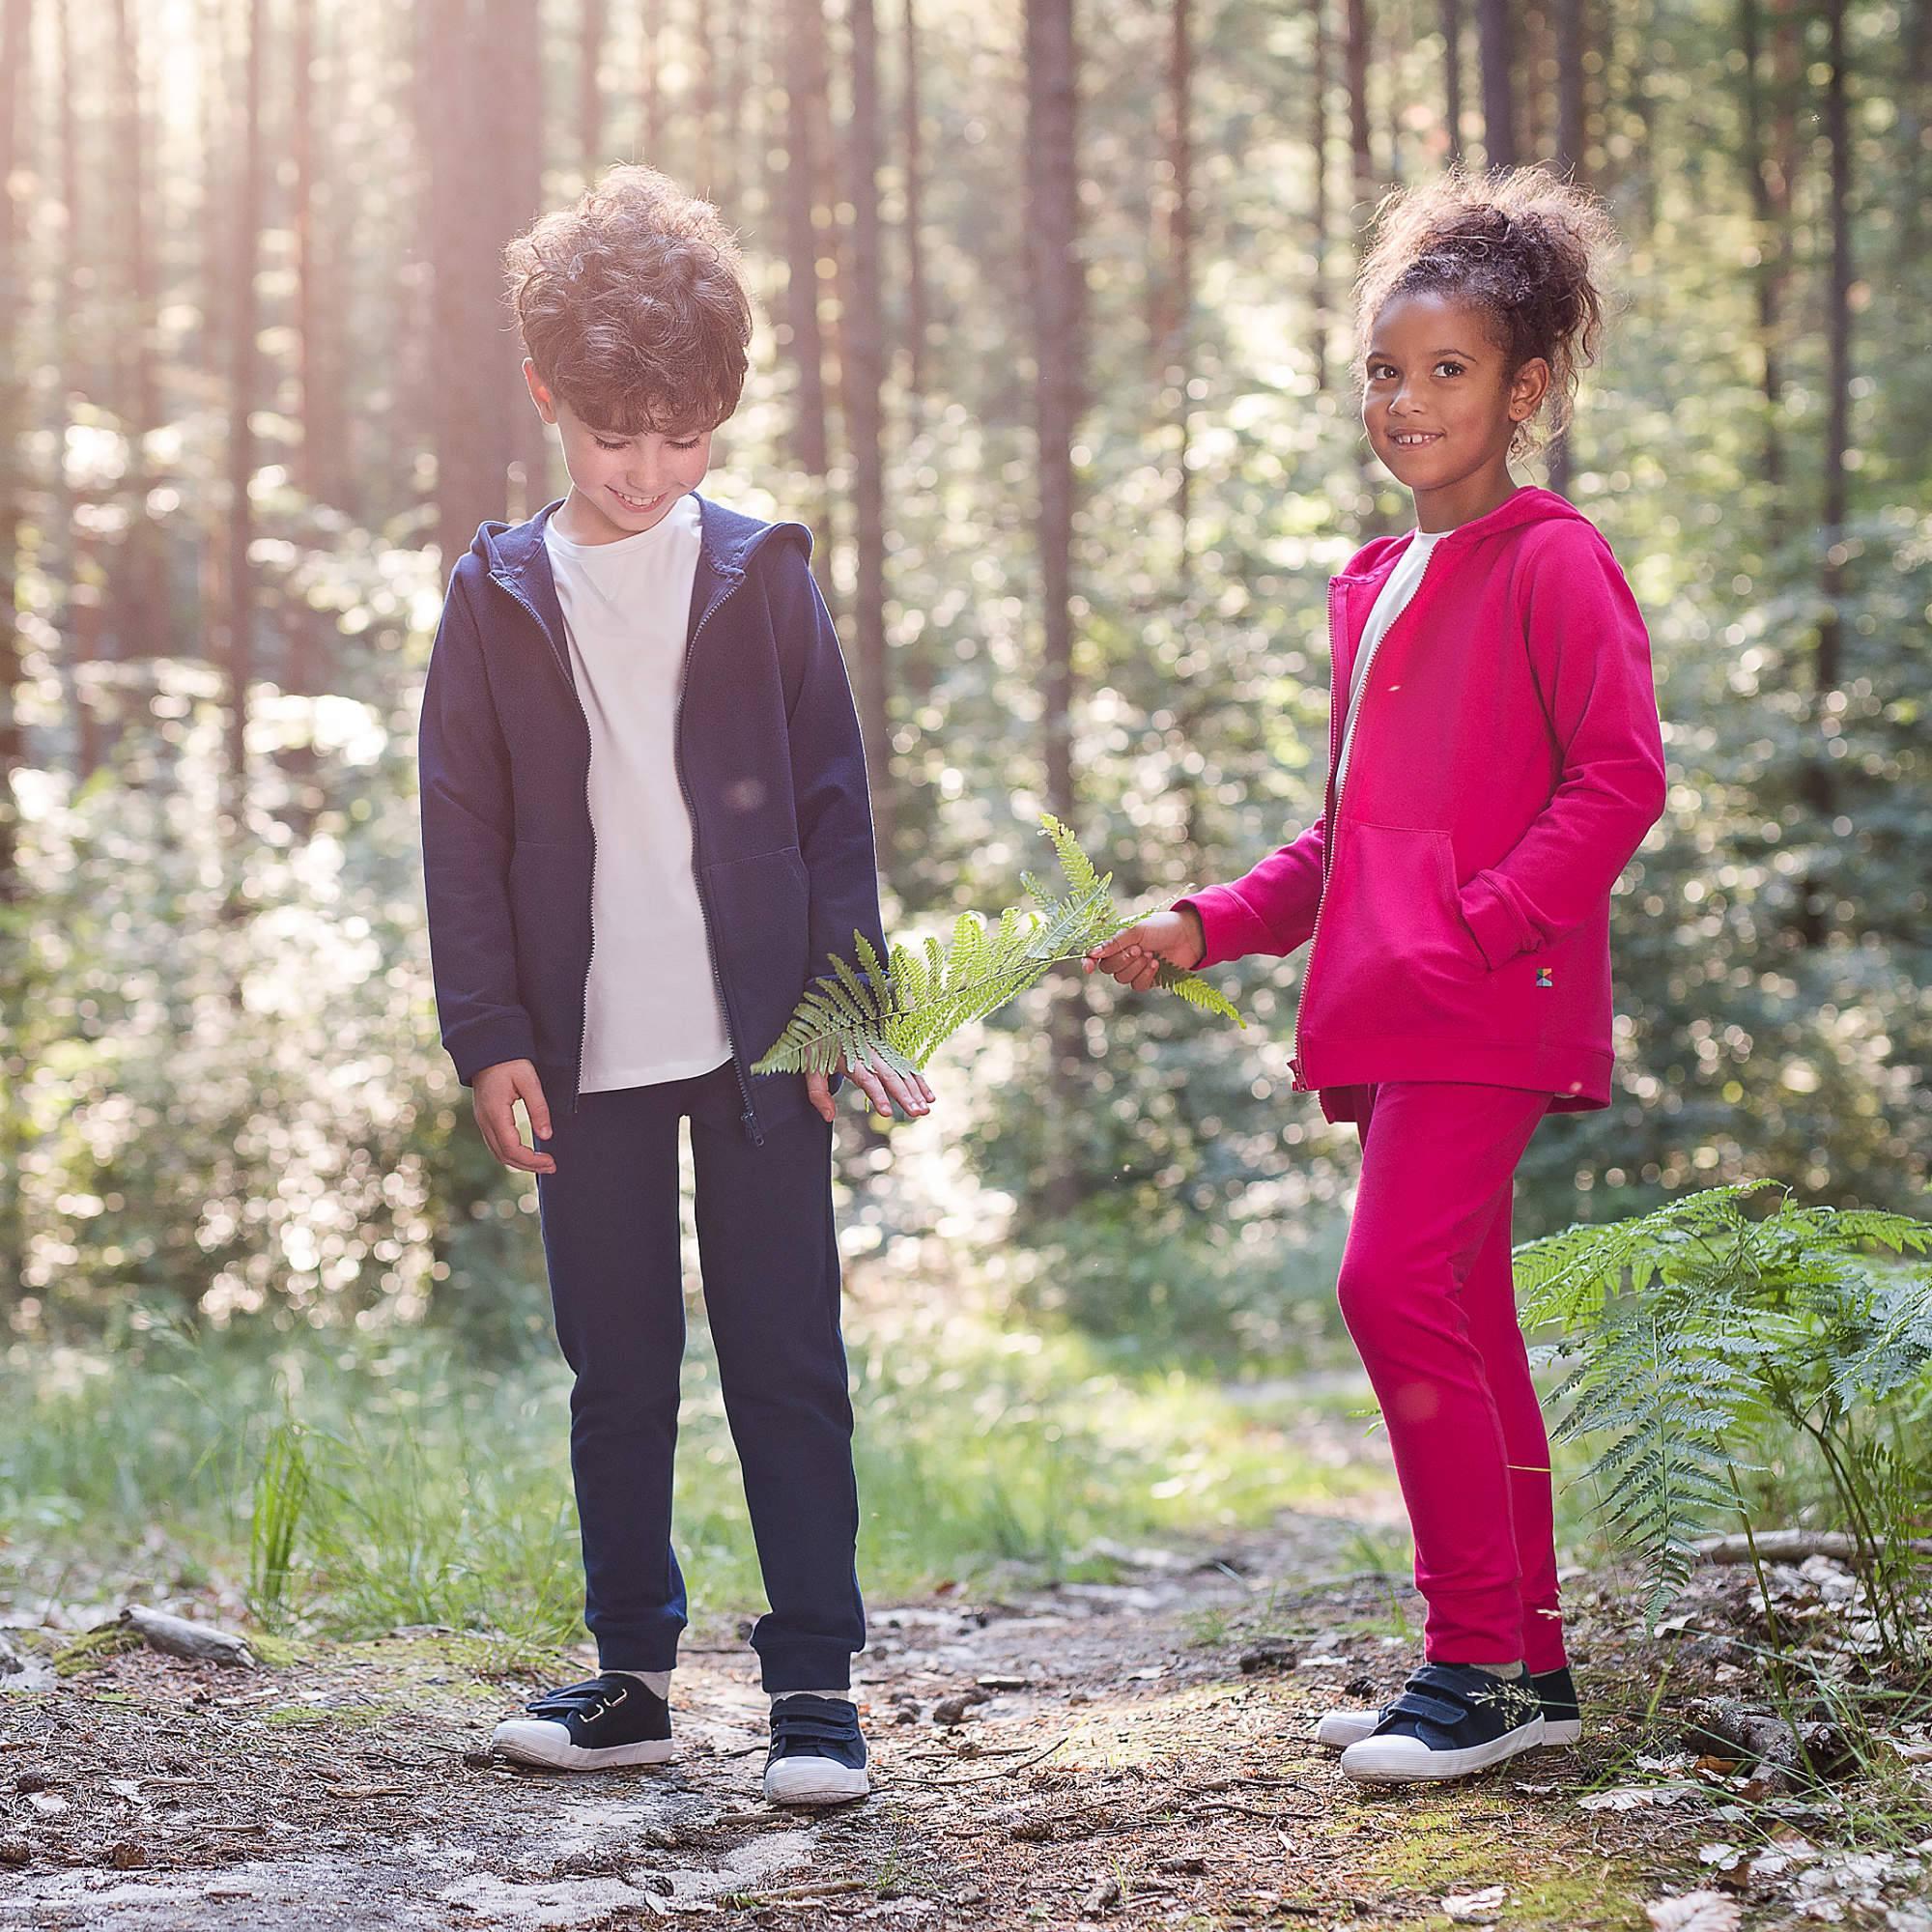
(879, 1084)
(1163, 938)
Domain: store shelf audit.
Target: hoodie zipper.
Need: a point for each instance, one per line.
(1339, 762)
(748, 1119)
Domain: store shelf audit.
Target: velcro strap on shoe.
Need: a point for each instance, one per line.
(1447, 1709)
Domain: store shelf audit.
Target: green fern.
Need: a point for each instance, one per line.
(896, 1014)
(1704, 1332)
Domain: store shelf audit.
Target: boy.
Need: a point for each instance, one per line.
(646, 826)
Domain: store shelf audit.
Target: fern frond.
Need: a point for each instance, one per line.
(897, 1015)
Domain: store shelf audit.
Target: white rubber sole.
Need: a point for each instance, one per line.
(1339, 1729)
(534, 1741)
(813, 1780)
(1402, 1760)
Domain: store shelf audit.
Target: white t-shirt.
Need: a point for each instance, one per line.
(1391, 601)
(651, 1009)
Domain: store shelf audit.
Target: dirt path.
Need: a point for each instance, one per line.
(1136, 1754)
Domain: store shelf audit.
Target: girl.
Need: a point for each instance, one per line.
(1493, 761)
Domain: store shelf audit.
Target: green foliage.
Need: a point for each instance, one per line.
(897, 1015)
(1705, 1334)
(282, 1494)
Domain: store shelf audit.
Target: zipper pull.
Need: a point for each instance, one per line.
(1300, 1085)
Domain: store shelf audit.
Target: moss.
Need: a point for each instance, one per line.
(92, 1648)
(1476, 1841)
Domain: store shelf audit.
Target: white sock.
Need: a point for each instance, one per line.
(779, 1696)
(1508, 1672)
(656, 1682)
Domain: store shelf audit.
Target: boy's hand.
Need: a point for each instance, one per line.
(494, 1094)
(1163, 938)
(879, 1084)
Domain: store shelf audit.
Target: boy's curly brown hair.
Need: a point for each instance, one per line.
(631, 306)
(1524, 248)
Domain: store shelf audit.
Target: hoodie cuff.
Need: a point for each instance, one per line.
(489, 1043)
(1229, 925)
(1500, 931)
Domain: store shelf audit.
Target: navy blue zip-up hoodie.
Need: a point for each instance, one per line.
(772, 772)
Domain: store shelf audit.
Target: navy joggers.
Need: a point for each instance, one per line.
(769, 1260)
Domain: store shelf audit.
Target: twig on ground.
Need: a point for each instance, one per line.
(1794, 1546)
(988, 1777)
(201, 1643)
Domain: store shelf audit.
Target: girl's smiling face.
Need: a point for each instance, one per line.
(621, 485)
(1440, 404)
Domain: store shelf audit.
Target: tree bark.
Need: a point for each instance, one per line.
(1572, 158)
(1821, 890)
(1355, 63)
(801, 307)
(1769, 248)
(16, 53)
(914, 180)
(1057, 296)
(1452, 74)
(864, 370)
(82, 602)
(1178, 280)
(589, 87)
(244, 313)
(1318, 141)
(654, 92)
(512, 47)
(1838, 322)
(1496, 46)
(468, 401)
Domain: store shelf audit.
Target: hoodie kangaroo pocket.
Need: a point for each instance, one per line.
(1396, 952)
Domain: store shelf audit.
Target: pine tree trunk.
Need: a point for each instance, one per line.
(83, 599)
(655, 152)
(15, 57)
(1769, 248)
(513, 49)
(140, 604)
(1838, 381)
(1355, 63)
(589, 87)
(245, 320)
(1057, 291)
(1179, 281)
(1570, 139)
(1318, 142)
(915, 181)
(15, 44)
(1452, 74)
(1496, 47)
(1821, 888)
(801, 307)
(864, 370)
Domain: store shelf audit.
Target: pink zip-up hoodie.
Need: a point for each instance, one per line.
(1506, 763)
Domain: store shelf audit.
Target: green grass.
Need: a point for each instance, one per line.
(344, 1485)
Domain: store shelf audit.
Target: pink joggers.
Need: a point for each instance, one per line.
(1427, 1293)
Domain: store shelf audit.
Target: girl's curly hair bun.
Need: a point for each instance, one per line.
(1526, 249)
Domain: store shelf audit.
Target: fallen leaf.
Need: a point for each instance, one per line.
(1630, 1796)
(1696, 1911)
(1475, 1907)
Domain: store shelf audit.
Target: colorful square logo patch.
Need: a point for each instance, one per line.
(1544, 977)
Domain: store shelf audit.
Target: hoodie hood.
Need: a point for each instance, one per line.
(1528, 505)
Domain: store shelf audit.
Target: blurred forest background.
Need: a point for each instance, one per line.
(1056, 358)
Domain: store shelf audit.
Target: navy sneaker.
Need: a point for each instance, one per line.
(1556, 1690)
(818, 1753)
(1449, 1721)
(606, 1720)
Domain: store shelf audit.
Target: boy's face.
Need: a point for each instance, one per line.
(622, 485)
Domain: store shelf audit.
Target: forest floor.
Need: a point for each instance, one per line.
(1137, 1753)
